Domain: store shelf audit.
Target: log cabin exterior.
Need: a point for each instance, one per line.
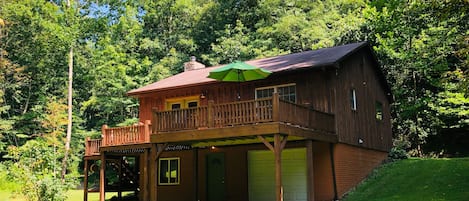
(312, 130)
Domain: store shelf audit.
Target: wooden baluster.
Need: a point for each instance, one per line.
(275, 107)
(210, 113)
(154, 123)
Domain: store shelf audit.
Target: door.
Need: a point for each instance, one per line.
(216, 177)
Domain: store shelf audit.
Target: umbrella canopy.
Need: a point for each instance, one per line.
(238, 72)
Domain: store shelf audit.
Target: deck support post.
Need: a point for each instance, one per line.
(85, 181)
(102, 177)
(277, 148)
(145, 175)
(119, 186)
(309, 170)
(153, 170)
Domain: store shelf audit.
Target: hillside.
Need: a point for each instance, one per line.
(416, 179)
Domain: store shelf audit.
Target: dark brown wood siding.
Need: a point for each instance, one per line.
(359, 72)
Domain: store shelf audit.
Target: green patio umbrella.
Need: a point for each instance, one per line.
(238, 72)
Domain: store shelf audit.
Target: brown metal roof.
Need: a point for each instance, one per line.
(307, 59)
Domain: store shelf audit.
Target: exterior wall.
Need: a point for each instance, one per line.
(322, 170)
(352, 165)
(236, 171)
(359, 72)
(312, 89)
(185, 190)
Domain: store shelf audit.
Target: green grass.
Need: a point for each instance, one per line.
(416, 179)
(73, 195)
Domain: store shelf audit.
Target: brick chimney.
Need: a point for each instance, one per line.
(192, 65)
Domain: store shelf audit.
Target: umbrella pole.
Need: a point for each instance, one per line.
(239, 87)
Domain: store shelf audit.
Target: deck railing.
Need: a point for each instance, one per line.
(303, 116)
(242, 112)
(134, 134)
(215, 116)
(92, 146)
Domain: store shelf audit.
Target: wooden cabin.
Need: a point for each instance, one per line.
(312, 130)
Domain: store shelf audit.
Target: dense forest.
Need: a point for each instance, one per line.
(113, 46)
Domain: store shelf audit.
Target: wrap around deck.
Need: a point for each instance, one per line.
(211, 117)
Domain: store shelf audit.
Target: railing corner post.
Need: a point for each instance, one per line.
(210, 118)
(87, 146)
(147, 130)
(275, 107)
(103, 134)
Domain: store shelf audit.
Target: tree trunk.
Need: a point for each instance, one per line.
(69, 124)
(70, 104)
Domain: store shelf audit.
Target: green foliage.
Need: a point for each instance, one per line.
(416, 179)
(36, 166)
(121, 45)
(421, 46)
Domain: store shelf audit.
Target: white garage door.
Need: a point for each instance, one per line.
(261, 171)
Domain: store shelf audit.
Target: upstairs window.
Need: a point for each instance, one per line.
(353, 99)
(379, 110)
(286, 92)
(168, 171)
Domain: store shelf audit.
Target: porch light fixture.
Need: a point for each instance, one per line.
(203, 94)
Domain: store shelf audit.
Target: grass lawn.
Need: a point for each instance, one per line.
(73, 195)
(417, 179)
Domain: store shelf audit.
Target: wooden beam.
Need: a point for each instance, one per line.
(307, 133)
(283, 142)
(102, 178)
(240, 131)
(145, 175)
(266, 143)
(278, 168)
(310, 170)
(125, 147)
(119, 186)
(161, 148)
(85, 181)
(153, 171)
(217, 133)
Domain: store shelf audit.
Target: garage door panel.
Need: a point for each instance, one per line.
(261, 172)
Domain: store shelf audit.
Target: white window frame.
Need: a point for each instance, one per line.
(353, 99)
(178, 176)
(379, 114)
(275, 87)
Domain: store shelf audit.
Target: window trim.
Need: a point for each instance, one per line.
(379, 116)
(184, 101)
(353, 99)
(275, 87)
(178, 178)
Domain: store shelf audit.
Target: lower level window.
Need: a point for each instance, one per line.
(168, 171)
